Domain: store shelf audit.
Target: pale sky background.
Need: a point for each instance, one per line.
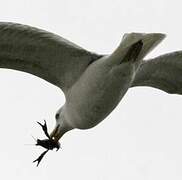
(141, 139)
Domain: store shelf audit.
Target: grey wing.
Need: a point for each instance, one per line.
(43, 54)
(163, 72)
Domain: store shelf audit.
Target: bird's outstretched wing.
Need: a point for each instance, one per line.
(163, 72)
(43, 54)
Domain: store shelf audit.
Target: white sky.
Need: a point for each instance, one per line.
(141, 139)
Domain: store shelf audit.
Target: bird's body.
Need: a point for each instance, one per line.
(93, 84)
(99, 89)
(97, 93)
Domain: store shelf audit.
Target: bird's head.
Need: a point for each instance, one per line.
(61, 126)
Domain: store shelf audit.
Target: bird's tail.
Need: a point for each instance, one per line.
(150, 41)
(135, 46)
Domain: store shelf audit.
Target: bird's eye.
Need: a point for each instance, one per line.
(57, 116)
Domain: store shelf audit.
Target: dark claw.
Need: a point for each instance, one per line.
(44, 127)
(40, 157)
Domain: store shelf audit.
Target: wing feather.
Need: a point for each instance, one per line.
(163, 72)
(43, 54)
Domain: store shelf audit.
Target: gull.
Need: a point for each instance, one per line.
(93, 84)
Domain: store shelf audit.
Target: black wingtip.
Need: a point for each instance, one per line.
(44, 128)
(38, 160)
(39, 123)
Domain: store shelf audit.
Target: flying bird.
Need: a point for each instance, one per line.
(93, 84)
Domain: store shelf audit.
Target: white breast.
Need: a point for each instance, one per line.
(97, 93)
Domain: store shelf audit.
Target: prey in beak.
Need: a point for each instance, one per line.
(49, 144)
